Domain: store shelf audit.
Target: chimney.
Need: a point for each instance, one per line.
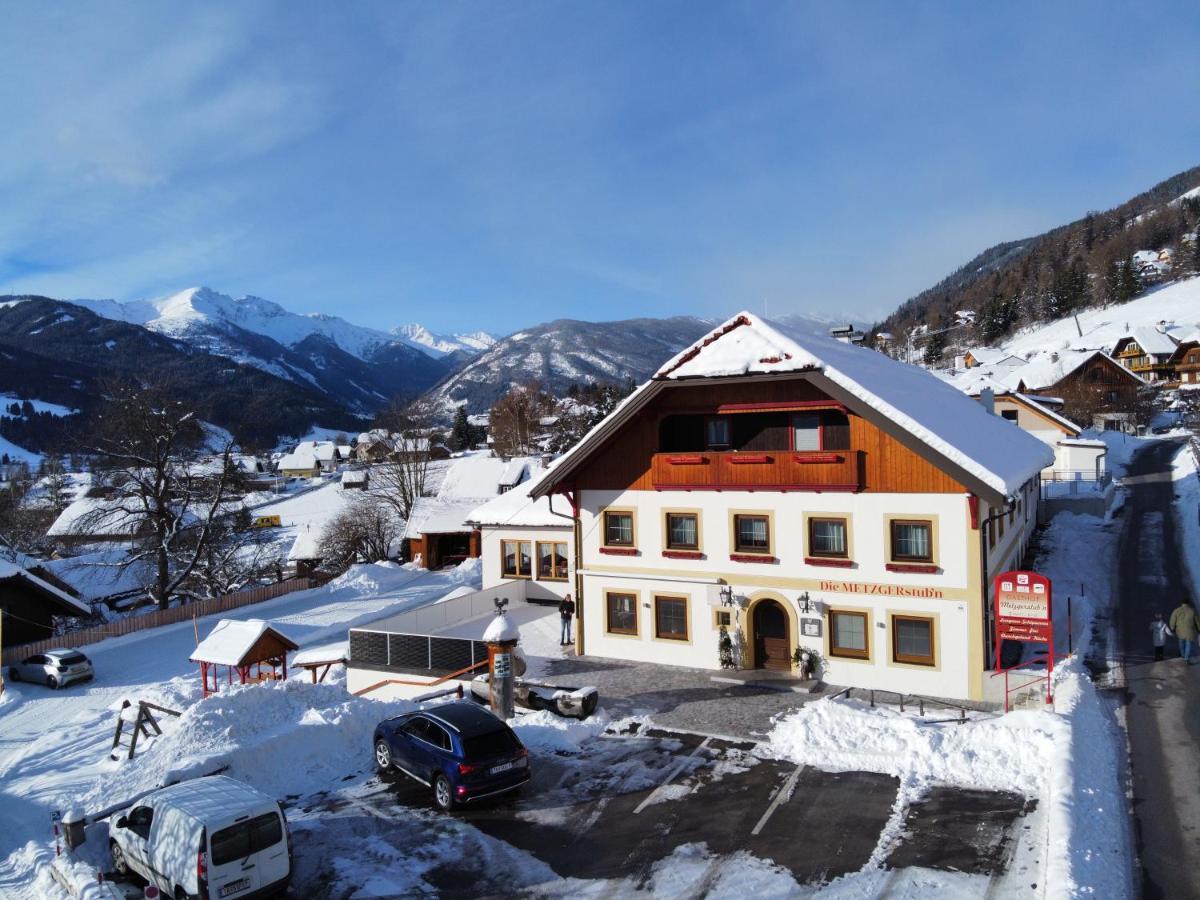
(987, 399)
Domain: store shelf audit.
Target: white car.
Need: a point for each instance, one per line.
(54, 668)
(210, 838)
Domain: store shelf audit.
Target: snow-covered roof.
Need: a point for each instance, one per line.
(1035, 404)
(93, 516)
(1152, 341)
(336, 652)
(12, 570)
(231, 639)
(957, 428)
(440, 515)
(516, 508)
(298, 460)
(1047, 369)
(306, 546)
(101, 573)
(989, 356)
(355, 476)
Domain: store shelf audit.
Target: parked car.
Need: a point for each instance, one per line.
(54, 668)
(460, 750)
(207, 839)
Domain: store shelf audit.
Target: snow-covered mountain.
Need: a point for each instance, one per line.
(361, 369)
(441, 344)
(203, 311)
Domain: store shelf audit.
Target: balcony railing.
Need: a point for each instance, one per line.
(770, 470)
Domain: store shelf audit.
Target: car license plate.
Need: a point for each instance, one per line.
(234, 886)
(496, 770)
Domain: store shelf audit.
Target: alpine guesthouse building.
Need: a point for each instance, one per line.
(800, 492)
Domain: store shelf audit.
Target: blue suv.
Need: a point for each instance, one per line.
(460, 750)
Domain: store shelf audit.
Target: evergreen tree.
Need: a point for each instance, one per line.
(461, 436)
(934, 348)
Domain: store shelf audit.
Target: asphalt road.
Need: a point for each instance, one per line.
(1162, 698)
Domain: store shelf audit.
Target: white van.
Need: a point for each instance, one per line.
(211, 838)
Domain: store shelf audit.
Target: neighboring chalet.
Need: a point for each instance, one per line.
(436, 529)
(996, 359)
(373, 446)
(299, 464)
(798, 492)
(1185, 362)
(1147, 352)
(95, 520)
(1075, 458)
(522, 538)
(356, 479)
(1090, 378)
(30, 605)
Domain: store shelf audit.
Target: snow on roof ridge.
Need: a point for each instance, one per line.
(774, 350)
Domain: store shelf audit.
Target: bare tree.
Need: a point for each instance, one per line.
(515, 419)
(400, 480)
(362, 532)
(234, 556)
(55, 482)
(147, 441)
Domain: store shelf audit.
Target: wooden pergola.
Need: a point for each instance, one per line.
(245, 648)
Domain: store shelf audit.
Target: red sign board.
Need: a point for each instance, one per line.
(1024, 609)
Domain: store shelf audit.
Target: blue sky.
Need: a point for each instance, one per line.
(494, 165)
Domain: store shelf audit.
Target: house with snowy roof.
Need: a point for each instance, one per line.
(798, 493)
(1076, 458)
(1185, 362)
(31, 605)
(437, 529)
(300, 463)
(1147, 352)
(527, 540)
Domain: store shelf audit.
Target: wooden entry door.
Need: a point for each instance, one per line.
(772, 649)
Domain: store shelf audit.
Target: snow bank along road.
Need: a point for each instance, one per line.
(55, 745)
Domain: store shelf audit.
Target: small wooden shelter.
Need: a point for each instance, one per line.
(240, 646)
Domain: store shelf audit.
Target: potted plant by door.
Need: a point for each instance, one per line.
(809, 661)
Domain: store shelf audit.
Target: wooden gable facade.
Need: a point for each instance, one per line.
(666, 446)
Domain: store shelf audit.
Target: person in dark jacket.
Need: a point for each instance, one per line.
(566, 610)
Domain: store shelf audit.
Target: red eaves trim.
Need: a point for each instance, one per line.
(696, 460)
(784, 406)
(751, 557)
(751, 488)
(683, 554)
(619, 551)
(923, 568)
(812, 458)
(825, 561)
(973, 509)
(747, 459)
(695, 351)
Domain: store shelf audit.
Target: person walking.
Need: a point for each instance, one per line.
(566, 610)
(1185, 624)
(1158, 635)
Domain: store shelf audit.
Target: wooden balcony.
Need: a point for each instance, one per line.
(772, 470)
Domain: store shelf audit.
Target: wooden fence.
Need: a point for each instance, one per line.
(159, 617)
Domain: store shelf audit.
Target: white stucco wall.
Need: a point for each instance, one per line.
(538, 588)
(868, 586)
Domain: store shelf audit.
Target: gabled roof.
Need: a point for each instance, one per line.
(982, 449)
(1048, 370)
(1151, 340)
(231, 640)
(517, 509)
(1042, 409)
(71, 606)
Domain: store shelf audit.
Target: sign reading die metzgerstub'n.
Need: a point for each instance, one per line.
(1023, 608)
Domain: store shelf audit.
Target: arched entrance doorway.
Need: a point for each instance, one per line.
(772, 648)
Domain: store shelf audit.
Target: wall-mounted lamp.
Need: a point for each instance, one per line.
(727, 595)
(805, 604)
